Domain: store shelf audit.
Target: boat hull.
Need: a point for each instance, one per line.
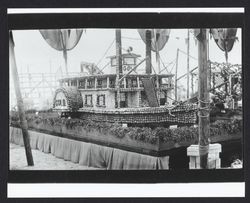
(186, 114)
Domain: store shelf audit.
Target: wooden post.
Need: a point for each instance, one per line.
(77, 83)
(118, 63)
(125, 82)
(23, 121)
(86, 83)
(204, 125)
(148, 52)
(95, 82)
(107, 82)
(188, 73)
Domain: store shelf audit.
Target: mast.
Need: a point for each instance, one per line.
(204, 125)
(23, 121)
(148, 52)
(118, 63)
(157, 54)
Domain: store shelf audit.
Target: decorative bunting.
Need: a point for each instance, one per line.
(159, 38)
(61, 39)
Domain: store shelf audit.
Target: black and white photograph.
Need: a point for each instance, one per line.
(126, 102)
(125, 99)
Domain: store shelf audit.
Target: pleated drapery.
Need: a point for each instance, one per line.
(89, 154)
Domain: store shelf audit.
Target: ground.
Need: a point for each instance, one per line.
(42, 161)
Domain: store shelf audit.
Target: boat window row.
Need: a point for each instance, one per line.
(102, 83)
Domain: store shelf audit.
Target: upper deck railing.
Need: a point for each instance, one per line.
(104, 82)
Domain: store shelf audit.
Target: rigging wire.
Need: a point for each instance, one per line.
(165, 67)
(132, 38)
(104, 66)
(187, 54)
(105, 53)
(173, 66)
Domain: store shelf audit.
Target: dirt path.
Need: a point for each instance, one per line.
(42, 161)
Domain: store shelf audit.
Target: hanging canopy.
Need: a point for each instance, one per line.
(224, 38)
(159, 37)
(62, 39)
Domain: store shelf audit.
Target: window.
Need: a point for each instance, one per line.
(82, 83)
(64, 103)
(134, 83)
(129, 61)
(123, 96)
(123, 100)
(90, 83)
(88, 100)
(141, 84)
(58, 103)
(100, 100)
(99, 83)
(73, 83)
(112, 83)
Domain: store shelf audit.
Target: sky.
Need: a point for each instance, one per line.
(33, 53)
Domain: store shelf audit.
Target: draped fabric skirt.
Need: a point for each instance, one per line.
(89, 154)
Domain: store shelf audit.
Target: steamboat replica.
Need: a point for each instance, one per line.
(144, 99)
(127, 95)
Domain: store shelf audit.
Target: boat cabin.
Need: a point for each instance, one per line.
(99, 91)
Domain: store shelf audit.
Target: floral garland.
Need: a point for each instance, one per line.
(145, 134)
